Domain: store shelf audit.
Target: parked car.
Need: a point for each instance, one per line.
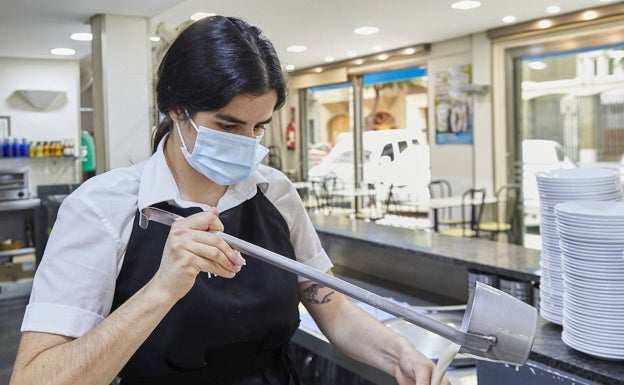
(318, 151)
(389, 157)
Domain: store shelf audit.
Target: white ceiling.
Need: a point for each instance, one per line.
(30, 28)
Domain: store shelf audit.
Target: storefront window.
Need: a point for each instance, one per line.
(394, 134)
(570, 113)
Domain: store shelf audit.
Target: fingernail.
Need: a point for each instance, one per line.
(241, 259)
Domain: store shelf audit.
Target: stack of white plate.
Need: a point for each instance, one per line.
(557, 186)
(592, 241)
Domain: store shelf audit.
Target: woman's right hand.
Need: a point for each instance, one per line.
(191, 248)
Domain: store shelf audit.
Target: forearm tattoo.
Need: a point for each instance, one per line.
(311, 294)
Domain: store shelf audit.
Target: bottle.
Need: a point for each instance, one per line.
(15, 148)
(24, 148)
(32, 150)
(39, 149)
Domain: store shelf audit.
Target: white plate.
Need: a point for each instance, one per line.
(574, 343)
(577, 174)
(593, 209)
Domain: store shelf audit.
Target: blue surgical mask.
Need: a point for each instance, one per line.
(222, 157)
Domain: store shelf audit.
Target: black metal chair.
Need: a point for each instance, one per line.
(473, 203)
(507, 198)
(441, 188)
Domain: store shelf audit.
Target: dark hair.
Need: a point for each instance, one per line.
(212, 61)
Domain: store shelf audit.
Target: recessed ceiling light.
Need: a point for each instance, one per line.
(366, 30)
(466, 4)
(537, 65)
(544, 24)
(351, 54)
(318, 70)
(359, 61)
(81, 36)
(155, 38)
(63, 51)
(553, 9)
(290, 67)
(296, 48)
(329, 59)
(590, 15)
(509, 19)
(409, 51)
(200, 15)
(383, 57)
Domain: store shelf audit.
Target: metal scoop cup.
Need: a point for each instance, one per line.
(513, 322)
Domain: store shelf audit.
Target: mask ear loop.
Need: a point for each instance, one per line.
(180, 131)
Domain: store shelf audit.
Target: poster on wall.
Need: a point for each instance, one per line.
(453, 105)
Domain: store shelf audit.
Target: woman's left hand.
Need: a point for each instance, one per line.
(416, 369)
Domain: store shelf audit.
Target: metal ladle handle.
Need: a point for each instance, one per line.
(471, 343)
(467, 340)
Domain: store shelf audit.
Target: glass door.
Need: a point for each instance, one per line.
(329, 139)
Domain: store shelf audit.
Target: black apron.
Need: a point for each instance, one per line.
(224, 331)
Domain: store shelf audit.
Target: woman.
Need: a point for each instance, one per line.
(115, 299)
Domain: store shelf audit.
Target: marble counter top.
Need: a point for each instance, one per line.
(512, 260)
(504, 258)
(550, 350)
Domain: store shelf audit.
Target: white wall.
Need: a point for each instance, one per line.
(62, 119)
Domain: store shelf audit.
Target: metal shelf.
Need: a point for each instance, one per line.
(20, 204)
(10, 253)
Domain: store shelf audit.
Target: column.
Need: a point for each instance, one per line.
(122, 90)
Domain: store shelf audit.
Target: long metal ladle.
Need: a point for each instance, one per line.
(476, 344)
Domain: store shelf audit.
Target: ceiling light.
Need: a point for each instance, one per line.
(383, 57)
(290, 67)
(296, 48)
(63, 51)
(329, 59)
(318, 70)
(537, 65)
(544, 24)
(200, 15)
(509, 19)
(590, 15)
(155, 38)
(409, 51)
(81, 36)
(359, 61)
(466, 4)
(366, 30)
(351, 54)
(553, 9)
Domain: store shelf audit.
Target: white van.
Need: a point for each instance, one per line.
(389, 157)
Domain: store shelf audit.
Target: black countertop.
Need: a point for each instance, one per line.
(508, 259)
(550, 350)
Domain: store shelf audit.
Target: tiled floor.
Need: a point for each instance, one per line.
(11, 313)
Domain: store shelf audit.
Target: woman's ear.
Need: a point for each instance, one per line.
(177, 114)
